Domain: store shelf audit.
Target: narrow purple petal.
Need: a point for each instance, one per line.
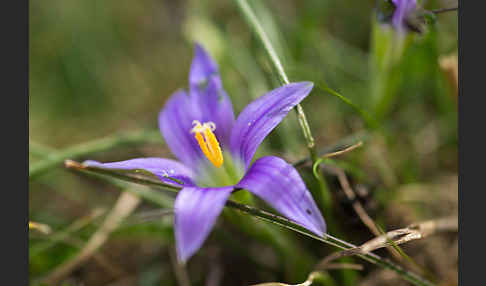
(202, 66)
(175, 123)
(402, 9)
(207, 92)
(280, 185)
(215, 106)
(196, 210)
(262, 115)
(162, 168)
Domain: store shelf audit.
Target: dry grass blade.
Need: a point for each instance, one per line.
(62, 236)
(358, 207)
(148, 216)
(305, 283)
(352, 266)
(99, 258)
(43, 228)
(450, 67)
(343, 144)
(124, 206)
(396, 237)
(180, 270)
(345, 150)
(412, 232)
(443, 10)
(308, 282)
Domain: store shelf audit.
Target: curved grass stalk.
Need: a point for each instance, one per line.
(53, 159)
(261, 214)
(257, 28)
(369, 120)
(252, 20)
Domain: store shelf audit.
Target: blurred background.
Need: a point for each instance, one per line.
(102, 68)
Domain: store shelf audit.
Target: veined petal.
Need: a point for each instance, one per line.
(280, 185)
(262, 115)
(175, 123)
(216, 106)
(202, 66)
(162, 168)
(196, 210)
(207, 92)
(206, 102)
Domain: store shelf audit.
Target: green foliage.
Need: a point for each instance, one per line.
(98, 69)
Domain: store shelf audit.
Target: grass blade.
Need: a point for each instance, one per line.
(263, 215)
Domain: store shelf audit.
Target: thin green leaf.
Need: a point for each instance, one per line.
(56, 158)
(370, 121)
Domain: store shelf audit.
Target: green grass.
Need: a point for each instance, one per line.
(100, 69)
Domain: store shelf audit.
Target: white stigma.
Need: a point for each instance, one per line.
(199, 128)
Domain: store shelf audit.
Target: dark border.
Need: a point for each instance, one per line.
(15, 133)
(472, 191)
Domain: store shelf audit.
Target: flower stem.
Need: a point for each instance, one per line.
(331, 240)
(442, 10)
(266, 216)
(257, 28)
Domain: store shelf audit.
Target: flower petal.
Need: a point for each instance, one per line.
(196, 210)
(207, 91)
(202, 66)
(402, 9)
(162, 168)
(262, 115)
(175, 123)
(281, 186)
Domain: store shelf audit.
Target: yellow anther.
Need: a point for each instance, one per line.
(208, 142)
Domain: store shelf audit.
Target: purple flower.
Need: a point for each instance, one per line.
(215, 152)
(403, 8)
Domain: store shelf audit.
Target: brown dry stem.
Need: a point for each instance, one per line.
(396, 237)
(124, 206)
(345, 150)
(358, 207)
(180, 270)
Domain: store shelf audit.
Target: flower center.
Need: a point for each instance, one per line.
(208, 142)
